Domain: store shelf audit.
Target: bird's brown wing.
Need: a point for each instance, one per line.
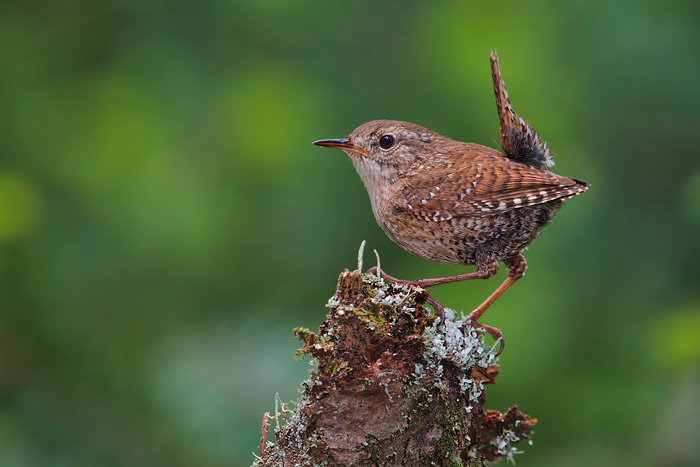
(484, 187)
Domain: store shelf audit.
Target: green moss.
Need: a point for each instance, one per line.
(373, 320)
(302, 334)
(454, 423)
(336, 368)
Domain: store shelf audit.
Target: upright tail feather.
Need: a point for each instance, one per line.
(519, 140)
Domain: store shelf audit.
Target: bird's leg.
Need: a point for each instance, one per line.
(485, 268)
(385, 276)
(484, 271)
(496, 333)
(438, 309)
(516, 269)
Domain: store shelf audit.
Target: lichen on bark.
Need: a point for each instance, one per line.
(393, 387)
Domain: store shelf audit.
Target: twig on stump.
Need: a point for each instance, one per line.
(393, 388)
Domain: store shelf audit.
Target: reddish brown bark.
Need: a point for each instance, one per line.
(391, 388)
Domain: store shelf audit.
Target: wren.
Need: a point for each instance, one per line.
(460, 203)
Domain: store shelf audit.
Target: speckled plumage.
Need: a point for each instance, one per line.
(460, 203)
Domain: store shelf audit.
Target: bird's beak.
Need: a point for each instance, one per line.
(342, 143)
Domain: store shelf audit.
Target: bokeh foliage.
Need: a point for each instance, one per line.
(165, 222)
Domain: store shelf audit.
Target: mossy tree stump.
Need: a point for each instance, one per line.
(391, 387)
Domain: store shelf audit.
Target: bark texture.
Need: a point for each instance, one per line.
(393, 388)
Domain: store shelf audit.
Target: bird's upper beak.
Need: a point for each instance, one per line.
(342, 143)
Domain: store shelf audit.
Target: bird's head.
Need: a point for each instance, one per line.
(384, 150)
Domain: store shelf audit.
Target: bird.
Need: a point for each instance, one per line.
(460, 203)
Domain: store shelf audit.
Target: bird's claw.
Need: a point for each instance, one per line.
(495, 333)
(439, 310)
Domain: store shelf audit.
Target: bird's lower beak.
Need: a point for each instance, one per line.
(342, 143)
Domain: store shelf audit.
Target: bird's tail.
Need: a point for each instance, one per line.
(519, 140)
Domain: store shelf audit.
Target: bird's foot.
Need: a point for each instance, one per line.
(495, 332)
(390, 279)
(438, 309)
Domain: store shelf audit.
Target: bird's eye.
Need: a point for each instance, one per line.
(386, 141)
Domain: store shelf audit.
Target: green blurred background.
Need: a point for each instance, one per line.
(165, 221)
